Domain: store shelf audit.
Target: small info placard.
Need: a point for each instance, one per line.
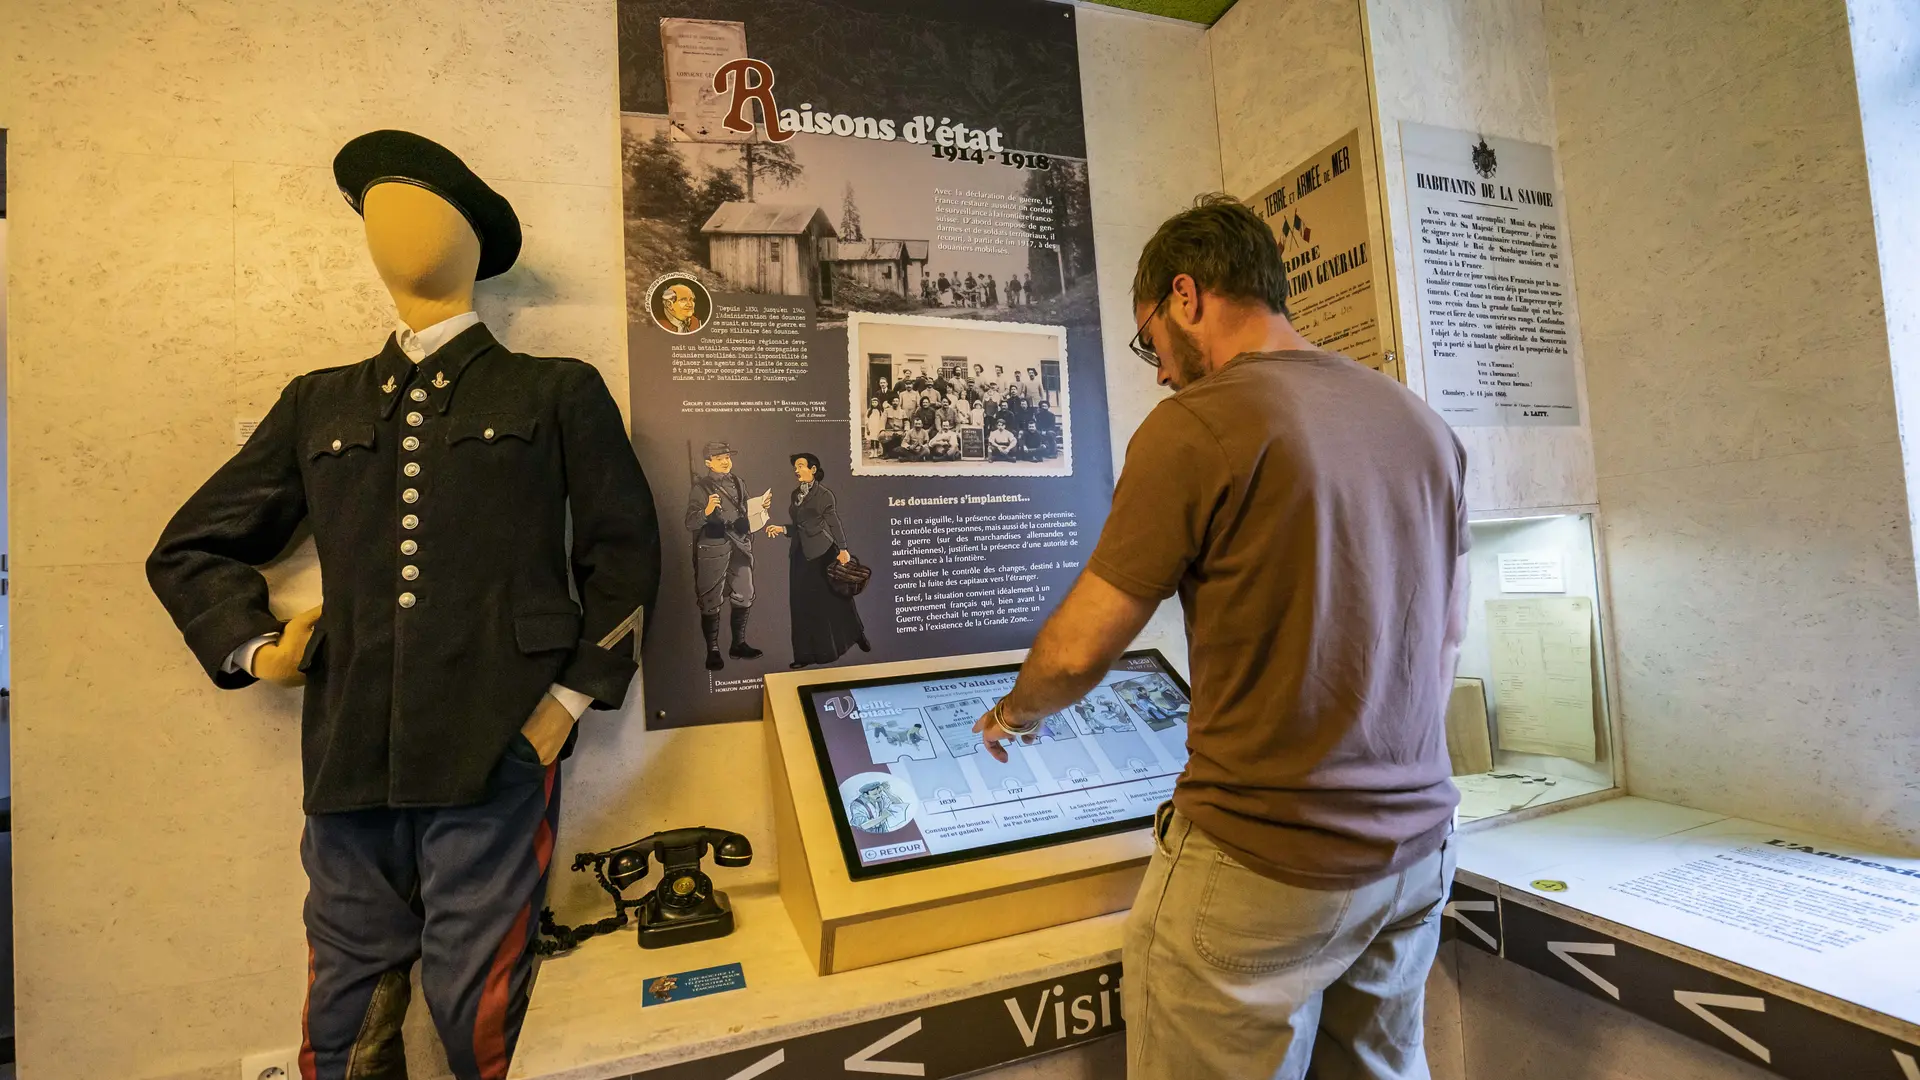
(1532, 572)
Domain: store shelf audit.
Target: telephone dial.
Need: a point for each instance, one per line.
(683, 907)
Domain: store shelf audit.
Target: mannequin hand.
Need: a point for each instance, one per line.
(713, 503)
(278, 661)
(845, 556)
(547, 729)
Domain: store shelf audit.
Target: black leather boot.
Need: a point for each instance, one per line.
(710, 626)
(741, 650)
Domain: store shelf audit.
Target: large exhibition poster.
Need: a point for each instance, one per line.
(862, 330)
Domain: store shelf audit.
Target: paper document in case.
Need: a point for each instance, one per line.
(1542, 652)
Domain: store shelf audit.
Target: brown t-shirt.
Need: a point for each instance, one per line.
(1310, 513)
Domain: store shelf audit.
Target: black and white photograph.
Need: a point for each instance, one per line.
(857, 225)
(932, 397)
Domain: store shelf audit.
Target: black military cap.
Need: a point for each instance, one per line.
(380, 157)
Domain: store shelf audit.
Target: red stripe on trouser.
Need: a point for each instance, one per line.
(490, 1026)
(309, 1069)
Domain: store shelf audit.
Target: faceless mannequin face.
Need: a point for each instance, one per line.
(424, 250)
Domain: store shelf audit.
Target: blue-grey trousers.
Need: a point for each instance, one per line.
(459, 889)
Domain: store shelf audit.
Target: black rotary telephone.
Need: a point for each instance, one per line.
(683, 907)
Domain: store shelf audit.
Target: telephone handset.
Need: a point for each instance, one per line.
(683, 907)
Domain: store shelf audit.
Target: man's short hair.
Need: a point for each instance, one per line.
(1224, 246)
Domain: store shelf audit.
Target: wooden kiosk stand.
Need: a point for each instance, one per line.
(846, 923)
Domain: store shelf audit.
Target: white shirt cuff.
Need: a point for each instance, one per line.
(573, 701)
(241, 659)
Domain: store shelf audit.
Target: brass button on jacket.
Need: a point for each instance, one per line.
(509, 441)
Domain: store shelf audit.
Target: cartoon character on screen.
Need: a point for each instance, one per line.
(1057, 728)
(876, 809)
(720, 519)
(912, 738)
(1155, 699)
(1163, 702)
(1100, 715)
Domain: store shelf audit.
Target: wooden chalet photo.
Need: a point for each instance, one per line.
(791, 249)
(768, 247)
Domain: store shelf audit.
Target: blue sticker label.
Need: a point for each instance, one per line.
(693, 984)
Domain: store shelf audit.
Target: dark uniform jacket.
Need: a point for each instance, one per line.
(726, 525)
(816, 522)
(439, 498)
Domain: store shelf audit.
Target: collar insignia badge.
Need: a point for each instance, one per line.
(440, 380)
(390, 386)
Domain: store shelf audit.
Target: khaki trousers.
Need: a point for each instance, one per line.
(1233, 976)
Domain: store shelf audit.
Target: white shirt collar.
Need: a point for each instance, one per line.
(422, 344)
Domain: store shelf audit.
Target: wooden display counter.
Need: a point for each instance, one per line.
(946, 1013)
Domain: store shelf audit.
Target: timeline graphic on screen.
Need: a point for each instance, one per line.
(911, 784)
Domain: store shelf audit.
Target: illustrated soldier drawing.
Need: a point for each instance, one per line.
(722, 520)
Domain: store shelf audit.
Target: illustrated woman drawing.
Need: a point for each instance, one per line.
(825, 624)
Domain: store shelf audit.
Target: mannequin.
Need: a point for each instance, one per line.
(462, 631)
(427, 255)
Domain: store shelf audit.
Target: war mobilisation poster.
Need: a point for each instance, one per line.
(1319, 213)
(862, 329)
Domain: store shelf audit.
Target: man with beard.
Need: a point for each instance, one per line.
(1311, 515)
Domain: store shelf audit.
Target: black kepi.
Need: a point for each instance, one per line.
(380, 157)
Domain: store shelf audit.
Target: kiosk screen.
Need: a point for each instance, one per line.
(911, 785)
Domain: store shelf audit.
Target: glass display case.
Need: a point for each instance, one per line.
(1530, 722)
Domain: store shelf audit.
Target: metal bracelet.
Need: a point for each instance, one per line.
(1000, 718)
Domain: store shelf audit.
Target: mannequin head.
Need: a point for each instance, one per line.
(425, 251)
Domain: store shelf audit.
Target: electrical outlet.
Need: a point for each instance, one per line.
(271, 1065)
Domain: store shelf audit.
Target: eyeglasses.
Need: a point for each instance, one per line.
(1139, 344)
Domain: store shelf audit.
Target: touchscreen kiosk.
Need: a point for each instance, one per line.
(915, 787)
(900, 834)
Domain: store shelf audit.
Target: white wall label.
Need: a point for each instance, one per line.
(1491, 274)
(1532, 572)
(243, 429)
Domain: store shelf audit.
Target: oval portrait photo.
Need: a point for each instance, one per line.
(680, 304)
